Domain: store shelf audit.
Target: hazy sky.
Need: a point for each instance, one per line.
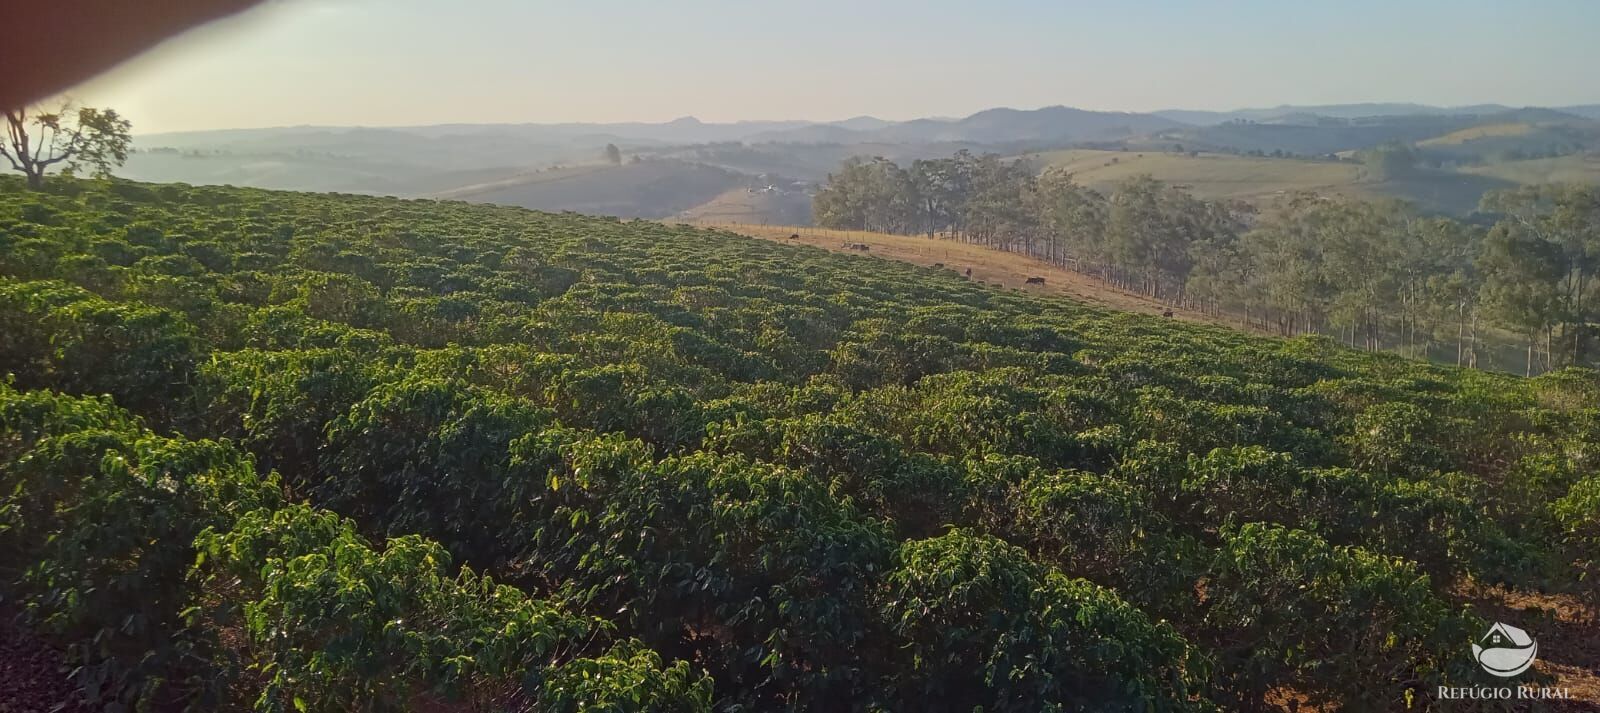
(398, 62)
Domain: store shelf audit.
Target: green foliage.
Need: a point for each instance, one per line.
(626, 679)
(1387, 162)
(347, 626)
(1579, 515)
(97, 521)
(65, 338)
(1305, 614)
(76, 138)
(145, 554)
(430, 441)
(679, 468)
(986, 628)
(1375, 274)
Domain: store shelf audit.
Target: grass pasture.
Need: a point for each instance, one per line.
(1479, 132)
(1576, 168)
(1207, 175)
(1260, 180)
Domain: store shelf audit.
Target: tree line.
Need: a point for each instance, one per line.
(1376, 274)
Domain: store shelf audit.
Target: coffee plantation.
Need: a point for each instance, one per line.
(292, 452)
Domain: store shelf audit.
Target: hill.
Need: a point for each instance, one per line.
(1259, 180)
(765, 205)
(773, 161)
(1055, 124)
(1316, 139)
(330, 452)
(517, 163)
(1353, 111)
(650, 189)
(1475, 133)
(1005, 270)
(1204, 174)
(1306, 134)
(1497, 348)
(1580, 168)
(305, 170)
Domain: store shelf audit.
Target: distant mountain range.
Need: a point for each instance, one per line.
(1050, 124)
(1357, 111)
(765, 170)
(991, 126)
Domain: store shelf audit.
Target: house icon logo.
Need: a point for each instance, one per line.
(1505, 650)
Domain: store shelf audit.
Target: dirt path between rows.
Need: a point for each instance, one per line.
(33, 675)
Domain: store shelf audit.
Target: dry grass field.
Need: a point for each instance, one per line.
(742, 205)
(990, 266)
(1206, 175)
(1260, 180)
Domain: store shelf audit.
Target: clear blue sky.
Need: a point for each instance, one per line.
(399, 62)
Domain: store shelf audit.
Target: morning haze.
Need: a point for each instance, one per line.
(411, 62)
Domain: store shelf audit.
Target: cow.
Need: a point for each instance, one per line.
(794, 236)
(1167, 313)
(1035, 281)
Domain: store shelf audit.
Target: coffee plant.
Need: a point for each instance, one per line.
(289, 452)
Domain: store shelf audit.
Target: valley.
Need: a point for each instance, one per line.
(691, 170)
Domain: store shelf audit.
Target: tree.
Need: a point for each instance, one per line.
(943, 186)
(86, 137)
(866, 194)
(1388, 162)
(1521, 273)
(1150, 229)
(614, 154)
(1560, 225)
(1286, 253)
(998, 210)
(1074, 218)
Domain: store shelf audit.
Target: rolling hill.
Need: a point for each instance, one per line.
(1353, 111)
(644, 189)
(1207, 175)
(1056, 124)
(1580, 168)
(1259, 179)
(758, 206)
(691, 168)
